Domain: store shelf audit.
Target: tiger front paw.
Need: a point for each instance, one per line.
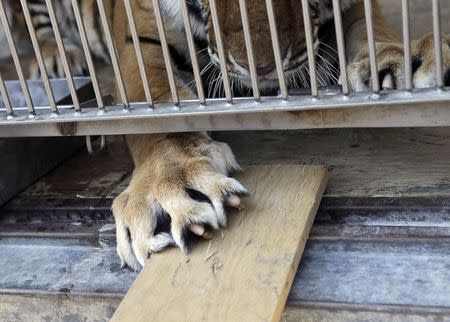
(175, 197)
(390, 61)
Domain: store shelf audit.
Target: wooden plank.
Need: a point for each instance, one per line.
(245, 273)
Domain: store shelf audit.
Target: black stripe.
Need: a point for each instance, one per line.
(43, 25)
(195, 9)
(180, 61)
(40, 11)
(145, 40)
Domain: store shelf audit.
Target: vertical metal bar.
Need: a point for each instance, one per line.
(166, 52)
(62, 53)
(372, 46)
(249, 47)
(221, 50)
(137, 49)
(39, 57)
(5, 96)
(192, 52)
(113, 54)
(407, 45)
(87, 53)
(310, 48)
(15, 56)
(276, 49)
(337, 10)
(437, 43)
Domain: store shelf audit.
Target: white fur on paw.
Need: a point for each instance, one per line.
(161, 241)
(355, 78)
(424, 79)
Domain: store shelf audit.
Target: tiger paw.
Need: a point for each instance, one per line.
(176, 197)
(390, 62)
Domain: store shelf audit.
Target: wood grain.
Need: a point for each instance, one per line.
(245, 273)
(362, 162)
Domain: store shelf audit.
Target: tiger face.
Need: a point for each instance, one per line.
(292, 38)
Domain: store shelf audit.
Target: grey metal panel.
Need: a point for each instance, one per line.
(19, 307)
(331, 272)
(314, 312)
(61, 265)
(394, 109)
(329, 100)
(23, 161)
(401, 273)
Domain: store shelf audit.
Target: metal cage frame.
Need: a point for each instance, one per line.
(322, 108)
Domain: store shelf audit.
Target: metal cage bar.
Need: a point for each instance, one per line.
(392, 109)
(138, 50)
(221, 51)
(113, 54)
(193, 53)
(372, 46)
(276, 49)
(87, 54)
(5, 96)
(249, 48)
(407, 45)
(166, 52)
(15, 56)
(337, 12)
(39, 57)
(437, 43)
(310, 48)
(63, 56)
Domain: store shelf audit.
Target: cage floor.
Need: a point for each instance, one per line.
(378, 250)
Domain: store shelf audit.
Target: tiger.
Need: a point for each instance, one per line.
(183, 178)
(181, 186)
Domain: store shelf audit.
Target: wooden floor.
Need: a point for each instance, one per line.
(378, 250)
(367, 163)
(362, 162)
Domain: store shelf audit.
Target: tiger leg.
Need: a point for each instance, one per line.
(44, 32)
(53, 62)
(180, 184)
(389, 51)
